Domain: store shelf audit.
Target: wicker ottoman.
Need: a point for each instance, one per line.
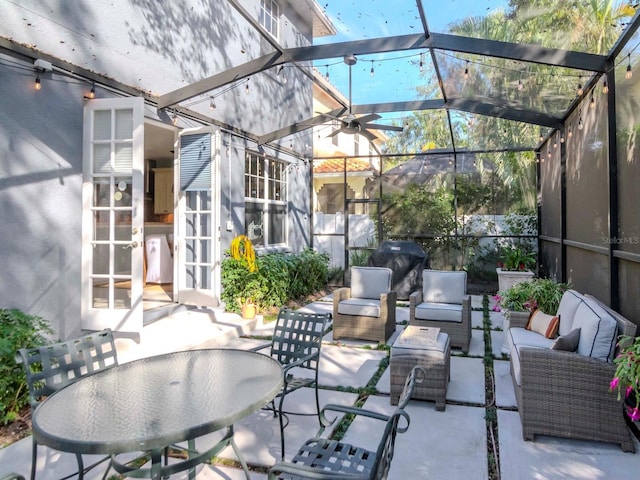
(428, 348)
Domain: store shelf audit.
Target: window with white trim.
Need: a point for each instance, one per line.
(270, 17)
(265, 203)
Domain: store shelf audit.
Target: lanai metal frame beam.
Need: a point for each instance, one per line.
(441, 41)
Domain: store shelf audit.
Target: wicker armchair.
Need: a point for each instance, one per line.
(443, 303)
(367, 309)
(296, 342)
(52, 367)
(566, 394)
(322, 458)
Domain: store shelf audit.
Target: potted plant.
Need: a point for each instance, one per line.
(521, 299)
(515, 266)
(627, 376)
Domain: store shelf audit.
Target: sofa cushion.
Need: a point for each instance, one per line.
(598, 331)
(567, 310)
(568, 342)
(370, 282)
(443, 286)
(543, 324)
(518, 338)
(365, 307)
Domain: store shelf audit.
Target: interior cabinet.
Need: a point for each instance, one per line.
(163, 190)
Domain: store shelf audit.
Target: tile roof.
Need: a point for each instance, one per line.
(336, 165)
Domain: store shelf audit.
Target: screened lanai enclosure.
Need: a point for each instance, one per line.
(493, 122)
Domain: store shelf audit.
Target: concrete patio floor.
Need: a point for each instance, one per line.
(438, 445)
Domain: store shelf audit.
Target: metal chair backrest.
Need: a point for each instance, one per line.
(52, 367)
(297, 335)
(385, 451)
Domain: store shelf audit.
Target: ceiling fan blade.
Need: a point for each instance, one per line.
(368, 118)
(335, 132)
(377, 126)
(370, 136)
(329, 115)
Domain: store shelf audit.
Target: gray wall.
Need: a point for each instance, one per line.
(153, 46)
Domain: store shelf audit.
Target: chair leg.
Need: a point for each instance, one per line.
(34, 458)
(282, 426)
(318, 405)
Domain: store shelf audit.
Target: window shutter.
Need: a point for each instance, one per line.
(195, 162)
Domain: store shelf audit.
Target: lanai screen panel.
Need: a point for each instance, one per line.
(627, 243)
(587, 194)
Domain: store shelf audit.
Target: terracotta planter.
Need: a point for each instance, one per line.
(509, 278)
(248, 311)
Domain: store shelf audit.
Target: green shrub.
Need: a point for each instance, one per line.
(278, 278)
(17, 330)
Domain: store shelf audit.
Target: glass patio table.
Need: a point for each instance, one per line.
(148, 404)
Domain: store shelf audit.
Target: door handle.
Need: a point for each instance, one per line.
(131, 245)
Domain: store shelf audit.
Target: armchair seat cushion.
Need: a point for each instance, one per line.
(445, 312)
(518, 338)
(363, 307)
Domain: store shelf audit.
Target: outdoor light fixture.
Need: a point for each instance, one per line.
(38, 85)
(421, 62)
(212, 105)
(629, 73)
(466, 70)
(326, 75)
(246, 89)
(280, 74)
(92, 92)
(605, 87)
(580, 89)
(592, 102)
(372, 72)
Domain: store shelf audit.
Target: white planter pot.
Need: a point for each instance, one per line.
(509, 278)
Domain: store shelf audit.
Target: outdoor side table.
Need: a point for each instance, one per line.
(428, 348)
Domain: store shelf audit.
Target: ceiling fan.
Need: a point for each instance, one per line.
(350, 123)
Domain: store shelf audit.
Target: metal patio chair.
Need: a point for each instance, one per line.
(296, 342)
(51, 367)
(322, 458)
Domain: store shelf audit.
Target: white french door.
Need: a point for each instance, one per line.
(197, 237)
(113, 216)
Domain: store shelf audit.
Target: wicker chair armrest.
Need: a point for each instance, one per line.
(518, 319)
(331, 407)
(567, 376)
(415, 298)
(341, 294)
(302, 471)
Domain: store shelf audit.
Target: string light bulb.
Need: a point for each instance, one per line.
(92, 92)
(38, 85)
(246, 88)
(580, 124)
(212, 105)
(466, 70)
(628, 74)
(580, 89)
(570, 133)
(174, 119)
(421, 62)
(592, 102)
(282, 75)
(605, 87)
(372, 73)
(520, 84)
(326, 75)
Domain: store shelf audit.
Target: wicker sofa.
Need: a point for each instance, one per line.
(367, 309)
(566, 393)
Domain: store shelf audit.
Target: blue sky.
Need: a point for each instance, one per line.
(395, 75)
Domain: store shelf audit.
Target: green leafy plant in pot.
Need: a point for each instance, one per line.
(516, 258)
(627, 376)
(542, 293)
